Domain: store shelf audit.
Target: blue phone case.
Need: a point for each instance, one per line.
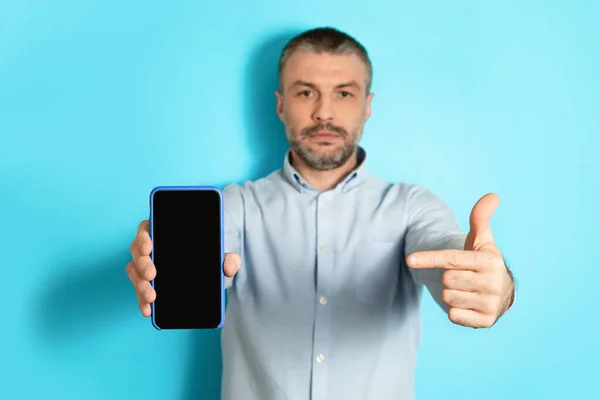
(150, 220)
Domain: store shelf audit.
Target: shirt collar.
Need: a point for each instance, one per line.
(352, 180)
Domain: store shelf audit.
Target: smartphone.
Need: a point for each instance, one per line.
(186, 228)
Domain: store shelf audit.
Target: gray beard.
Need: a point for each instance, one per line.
(322, 162)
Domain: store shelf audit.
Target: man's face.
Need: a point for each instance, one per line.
(324, 106)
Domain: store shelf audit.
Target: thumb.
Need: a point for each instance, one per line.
(481, 215)
(232, 264)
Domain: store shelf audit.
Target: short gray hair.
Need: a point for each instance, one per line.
(326, 40)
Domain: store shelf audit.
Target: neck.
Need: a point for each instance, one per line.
(324, 180)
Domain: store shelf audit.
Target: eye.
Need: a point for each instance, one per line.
(345, 94)
(304, 93)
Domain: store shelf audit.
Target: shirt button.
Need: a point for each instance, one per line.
(324, 248)
(320, 358)
(323, 300)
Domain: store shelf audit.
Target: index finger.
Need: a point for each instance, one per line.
(447, 259)
(142, 244)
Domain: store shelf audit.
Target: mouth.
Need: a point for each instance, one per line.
(325, 135)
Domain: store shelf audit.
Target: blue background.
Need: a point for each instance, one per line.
(100, 101)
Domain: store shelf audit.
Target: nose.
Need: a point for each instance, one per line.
(323, 110)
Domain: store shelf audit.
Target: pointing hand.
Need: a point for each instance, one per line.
(478, 286)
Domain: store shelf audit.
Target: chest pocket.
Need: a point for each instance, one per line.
(376, 269)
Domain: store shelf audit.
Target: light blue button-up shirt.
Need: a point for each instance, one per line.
(324, 306)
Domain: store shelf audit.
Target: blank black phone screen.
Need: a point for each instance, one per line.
(186, 232)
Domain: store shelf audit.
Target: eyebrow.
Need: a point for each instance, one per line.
(353, 84)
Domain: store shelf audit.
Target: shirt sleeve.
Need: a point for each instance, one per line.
(232, 222)
(431, 226)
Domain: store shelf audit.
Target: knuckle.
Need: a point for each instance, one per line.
(488, 321)
(146, 245)
(497, 262)
(448, 277)
(143, 245)
(150, 271)
(151, 296)
(136, 265)
(486, 287)
(488, 305)
(472, 277)
(141, 267)
(452, 258)
(447, 297)
(471, 256)
(491, 286)
(497, 288)
(139, 243)
(494, 287)
(143, 294)
(454, 316)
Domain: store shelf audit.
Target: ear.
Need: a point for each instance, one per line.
(279, 97)
(368, 106)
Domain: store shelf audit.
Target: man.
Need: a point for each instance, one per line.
(326, 262)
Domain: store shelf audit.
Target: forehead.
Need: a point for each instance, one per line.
(324, 69)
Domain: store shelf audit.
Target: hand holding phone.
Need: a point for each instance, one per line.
(186, 290)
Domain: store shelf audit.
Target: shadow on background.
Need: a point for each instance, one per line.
(83, 298)
(266, 134)
(267, 144)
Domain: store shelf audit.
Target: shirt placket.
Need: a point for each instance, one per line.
(322, 325)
